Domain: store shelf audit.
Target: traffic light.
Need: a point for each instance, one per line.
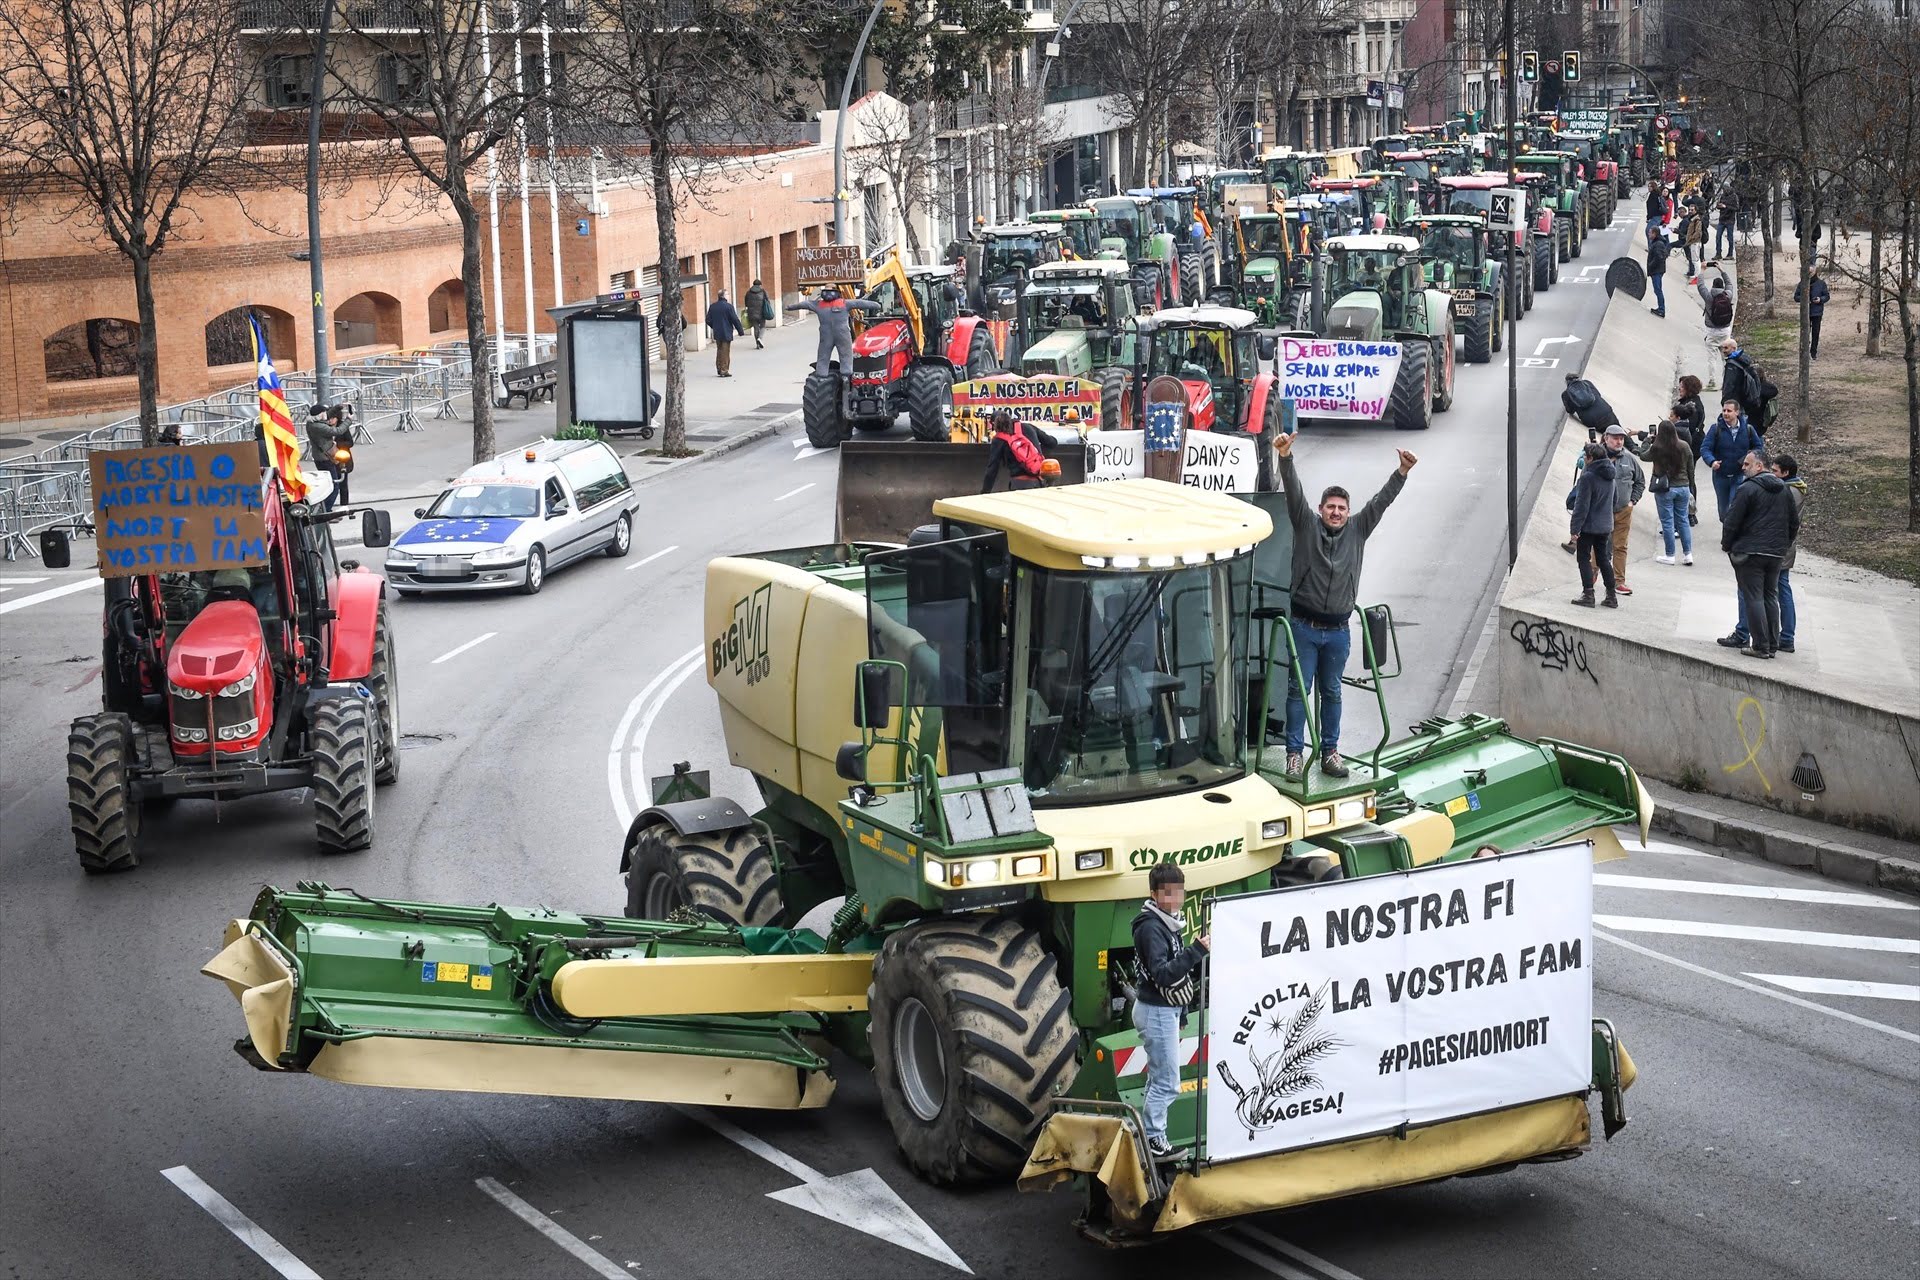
(1570, 61)
(1529, 65)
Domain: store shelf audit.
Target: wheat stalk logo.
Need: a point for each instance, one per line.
(1286, 1070)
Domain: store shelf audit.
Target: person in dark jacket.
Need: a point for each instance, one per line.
(1729, 217)
(1002, 453)
(1629, 486)
(1658, 206)
(723, 323)
(1659, 248)
(1787, 469)
(1582, 400)
(1168, 981)
(1729, 439)
(1817, 294)
(1740, 381)
(759, 312)
(1761, 524)
(1690, 420)
(1592, 525)
(1328, 551)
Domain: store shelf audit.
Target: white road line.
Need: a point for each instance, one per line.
(637, 755)
(617, 749)
(1760, 933)
(1858, 1021)
(275, 1254)
(597, 1262)
(789, 493)
(1294, 1251)
(1832, 897)
(1843, 987)
(15, 581)
(655, 556)
(1272, 1266)
(51, 593)
(811, 452)
(454, 653)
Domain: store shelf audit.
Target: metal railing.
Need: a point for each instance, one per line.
(394, 389)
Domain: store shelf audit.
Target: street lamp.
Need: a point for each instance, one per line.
(316, 276)
(840, 126)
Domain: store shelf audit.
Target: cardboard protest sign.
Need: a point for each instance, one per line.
(1209, 460)
(1352, 1007)
(1338, 379)
(182, 509)
(1037, 399)
(829, 264)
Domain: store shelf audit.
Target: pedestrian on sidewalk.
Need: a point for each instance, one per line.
(723, 323)
(1761, 524)
(1740, 381)
(1167, 981)
(1591, 523)
(1659, 248)
(759, 313)
(1716, 303)
(1729, 439)
(1729, 221)
(1817, 295)
(1693, 231)
(1658, 206)
(1671, 485)
(1788, 470)
(1328, 552)
(1583, 401)
(1690, 419)
(1629, 485)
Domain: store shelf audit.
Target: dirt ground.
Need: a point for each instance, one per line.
(1855, 464)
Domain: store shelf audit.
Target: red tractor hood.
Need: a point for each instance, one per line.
(222, 644)
(881, 337)
(1200, 407)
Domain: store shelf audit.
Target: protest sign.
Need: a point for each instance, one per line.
(1210, 460)
(184, 508)
(829, 264)
(1074, 401)
(1353, 1007)
(1338, 379)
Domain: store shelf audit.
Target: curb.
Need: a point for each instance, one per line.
(1833, 859)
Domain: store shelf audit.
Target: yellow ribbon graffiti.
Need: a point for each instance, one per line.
(1752, 744)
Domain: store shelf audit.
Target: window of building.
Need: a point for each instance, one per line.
(290, 80)
(620, 280)
(403, 81)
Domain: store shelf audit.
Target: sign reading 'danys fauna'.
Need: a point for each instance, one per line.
(1356, 1006)
(179, 509)
(1338, 379)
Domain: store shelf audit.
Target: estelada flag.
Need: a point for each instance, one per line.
(276, 424)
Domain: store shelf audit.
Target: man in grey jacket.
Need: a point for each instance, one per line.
(1629, 486)
(1328, 552)
(835, 315)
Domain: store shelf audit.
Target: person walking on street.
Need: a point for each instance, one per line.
(1716, 312)
(1728, 440)
(1817, 294)
(1591, 524)
(1629, 484)
(1761, 524)
(836, 327)
(1672, 489)
(1787, 469)
(1329, 549)
(759, 313)
(1168, 982)
(723, 325)
(1658, 250)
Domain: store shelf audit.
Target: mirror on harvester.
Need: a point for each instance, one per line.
(1379, 631)
(850, 762)
(873, 705)
(56, 552)
(376, 528)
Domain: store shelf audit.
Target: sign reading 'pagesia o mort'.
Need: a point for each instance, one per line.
(1356, 1006)
(1338, 379)
(182, 509)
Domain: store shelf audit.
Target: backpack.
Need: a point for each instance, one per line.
(1720, 309)
(1026, 454)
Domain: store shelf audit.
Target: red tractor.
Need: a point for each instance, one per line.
(218, 683)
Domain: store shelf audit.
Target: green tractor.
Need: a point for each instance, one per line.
(1454, 249)
(1558, 189)
(1396, 195)
(1000, 258)
(1129, 233)
(1218, 181)
(1072, 316)
(1079, 229)
(1376, 293)
(1269, 259)
(1598, 169)
(1178, 210)
(1292, 172)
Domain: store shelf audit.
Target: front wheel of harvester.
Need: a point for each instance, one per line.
(343, 754)
(1479, 334)
(105, 822)
(728, 875)
(385, 680)
(971, 1040)
(930, 402)
(1542, 265)
(820, 410)
(1410, 407)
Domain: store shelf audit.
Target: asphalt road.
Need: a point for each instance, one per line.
(1774, 1128)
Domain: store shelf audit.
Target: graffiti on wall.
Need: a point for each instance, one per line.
(1752, 739)
(1556, 649)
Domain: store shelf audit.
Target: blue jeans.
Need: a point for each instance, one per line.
(1659, 291)
(1323, 660)
(1159, 1028)
(1788, 615)
(1725, 481)
(1673, 506)
(1723, 234)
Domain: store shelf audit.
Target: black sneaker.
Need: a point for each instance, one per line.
(1785, 646)
(1160, 1149)
(1734, 641)
(1332, 765)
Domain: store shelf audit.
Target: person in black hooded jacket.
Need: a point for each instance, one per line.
(1761, 523)
(1169, 980)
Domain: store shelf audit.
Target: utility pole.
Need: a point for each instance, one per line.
(1513, 320)
(316, 274)
(840, 126)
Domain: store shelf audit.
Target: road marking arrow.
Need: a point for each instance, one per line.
(861, 1199)
(1548, 342)
(1587, 271)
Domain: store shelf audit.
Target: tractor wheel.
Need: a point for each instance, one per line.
(343, 755)
(386, 699)
(724, 874)
(982, 360)
(1563, 238)
(820, 410)
(1579, 237)
(105, 824)
(1190, 281)
(1266, 467)
(971, 1040)
(1302, 310)
(1410, 407)
(1113, 400)
(1543, 268)
(1479, 333)
(929, 403)
(1444, 371)
(1523, 278)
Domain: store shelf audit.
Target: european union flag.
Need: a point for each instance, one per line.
(455, 533)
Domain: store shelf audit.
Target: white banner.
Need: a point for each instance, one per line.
(1338, 379)
(1214, 460)
(1356, 1006)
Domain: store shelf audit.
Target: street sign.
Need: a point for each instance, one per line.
(1659, 122)
(829, 264)
(1553, 65)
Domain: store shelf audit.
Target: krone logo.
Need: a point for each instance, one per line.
(1147, 856)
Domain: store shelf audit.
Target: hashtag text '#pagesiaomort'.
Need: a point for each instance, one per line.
(1458, 1046)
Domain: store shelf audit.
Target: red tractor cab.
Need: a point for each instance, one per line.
(1470, 194)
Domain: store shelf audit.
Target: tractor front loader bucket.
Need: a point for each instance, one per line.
(530, 1001)
(888, 487)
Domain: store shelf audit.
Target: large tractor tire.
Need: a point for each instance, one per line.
(343, 774)
(1479, 333)
(1543, 266)
(1113, 400)
(727, 875)
(1563, 238)
(971, 1040)
(1192, 285)
(820, 410)
(105, 821)
(1266, 466)
(385, 683)
(1443, 371)
(930, 403)
(1410, 407)
(982, 360)
(1579, 236)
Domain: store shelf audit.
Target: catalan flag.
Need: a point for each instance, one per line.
(276, 424)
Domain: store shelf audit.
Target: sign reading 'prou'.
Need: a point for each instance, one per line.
(178, 509)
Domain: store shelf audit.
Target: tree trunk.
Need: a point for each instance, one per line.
(1910, 354)
(478, 341)
(1876, 296)
(673, 435)
(1769, 244)
(1803, 394)
(146, 348)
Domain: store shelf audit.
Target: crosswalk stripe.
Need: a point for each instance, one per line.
(1759, 933)
(1832, 897)
(1842, 987)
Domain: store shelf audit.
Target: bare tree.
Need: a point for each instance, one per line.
(1027, 139)
(897, 141)
(1147, 55)
(123, 109)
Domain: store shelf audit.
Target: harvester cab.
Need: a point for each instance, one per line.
(1178, 211)
(1128, 233)
(1454, 249)
(1079, 230)
(1072, 316)
(1559, 190)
